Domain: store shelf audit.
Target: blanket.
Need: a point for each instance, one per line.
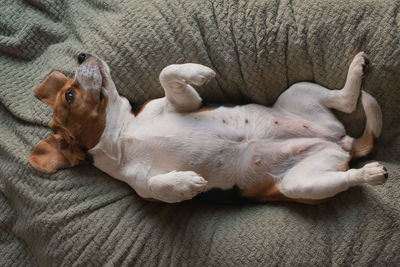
(81, 216)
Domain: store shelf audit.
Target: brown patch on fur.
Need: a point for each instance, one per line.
(141, 108)
(202, 109)
(48, 89)
(343, 168)
(47, 156)
(77, 126)
(269, 192)
(362, 146)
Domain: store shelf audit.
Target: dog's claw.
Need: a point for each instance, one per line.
(365, 65)
(360, 64)
(364, 68)
(366, 60)
(386, 174)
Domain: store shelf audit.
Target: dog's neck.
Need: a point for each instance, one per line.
(108, 148)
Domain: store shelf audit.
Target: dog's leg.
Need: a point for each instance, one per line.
(345, 100)
(176, 80)
(320, 182)
(310, 97)
(176, 186)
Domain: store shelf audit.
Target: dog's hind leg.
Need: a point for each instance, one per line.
(321, 176)
(176, 80)
(310, 97)
(345, 100)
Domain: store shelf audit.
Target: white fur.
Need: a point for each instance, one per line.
(88, 75)
(171, 153)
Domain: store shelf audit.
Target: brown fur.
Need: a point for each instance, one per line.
(344, 168)
(77, 126)
(49, 88)
(362, 146)
(141, 108)
(202, 109)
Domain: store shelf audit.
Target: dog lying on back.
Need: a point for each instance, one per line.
(173, 149)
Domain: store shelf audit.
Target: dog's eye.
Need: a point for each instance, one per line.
(69, 95)
(101, 95)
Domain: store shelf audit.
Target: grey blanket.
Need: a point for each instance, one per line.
(82, 217)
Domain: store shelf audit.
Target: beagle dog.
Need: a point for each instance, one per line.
(173, 149)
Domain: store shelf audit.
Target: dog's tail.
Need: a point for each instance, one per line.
(363, 145)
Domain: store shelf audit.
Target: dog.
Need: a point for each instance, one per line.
(173, 148)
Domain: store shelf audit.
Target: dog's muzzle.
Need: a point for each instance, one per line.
(88, 74)
(92, 73)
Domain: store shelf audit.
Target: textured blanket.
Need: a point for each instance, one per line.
(258, 48)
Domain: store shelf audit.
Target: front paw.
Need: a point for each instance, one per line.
(177, 186)
(196, 74)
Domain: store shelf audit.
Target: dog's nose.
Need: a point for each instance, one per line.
(82, 57)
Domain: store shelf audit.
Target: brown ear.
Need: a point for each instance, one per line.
(48, 89)
(48, 157)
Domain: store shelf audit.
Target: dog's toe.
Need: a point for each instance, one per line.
(360, 64)
(366, 60)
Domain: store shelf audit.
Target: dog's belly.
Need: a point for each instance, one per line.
(227, 146)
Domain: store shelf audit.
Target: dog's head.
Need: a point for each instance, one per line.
(79, 114)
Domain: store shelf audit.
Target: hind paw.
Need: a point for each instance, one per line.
(375, 173)
(360, 64)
